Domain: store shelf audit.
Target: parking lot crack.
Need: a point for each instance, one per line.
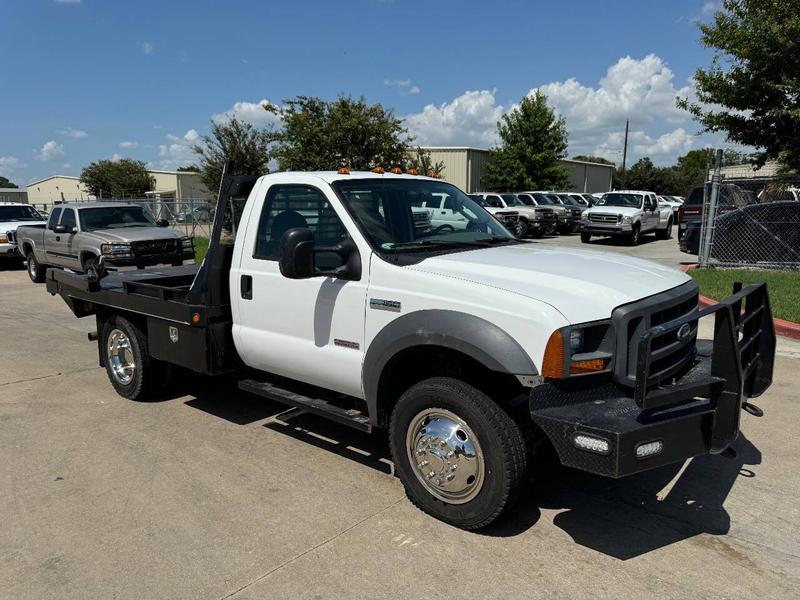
(51, 375)
(312, 549)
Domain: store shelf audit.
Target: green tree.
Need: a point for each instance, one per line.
(5, 183)
(245, 145)
(117, 178)
(420, 160)
(644, 175)
(593, 159)
(532, 141)
(189, 169)
(692, 168)
(751, 91)
(319, 134)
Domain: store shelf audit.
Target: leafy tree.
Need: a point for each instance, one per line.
(420, 160)
(593, 159)
(692, 169)
(644, 175)
(751, 91)
(189, 169)
(246, 146)
(5, 183)
(533, 140)
(117, 178)
(319, 134)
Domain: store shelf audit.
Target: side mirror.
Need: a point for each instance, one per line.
(297, 250)
(162, 223)
(60, 229)
(74, 230)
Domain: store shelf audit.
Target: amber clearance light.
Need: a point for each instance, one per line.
(553, 362)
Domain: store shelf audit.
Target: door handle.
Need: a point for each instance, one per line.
(247, 287)
(58, 238)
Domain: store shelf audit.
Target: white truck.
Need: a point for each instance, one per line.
(12, 216)
(532, 220)
(471, 349)
(628, 214)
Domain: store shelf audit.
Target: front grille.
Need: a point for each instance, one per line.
(668, 353)
(603, 218)
(155, 247)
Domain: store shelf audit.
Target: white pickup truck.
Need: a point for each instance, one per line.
(472, 349)
(628, 214)
(12, 216)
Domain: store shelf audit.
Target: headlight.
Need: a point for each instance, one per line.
(579, 349)
(627, 219)
(116, 250)
(188, 243)
(3, 238)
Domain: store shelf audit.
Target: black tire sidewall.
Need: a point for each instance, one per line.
(39, 278)
(521, 228)
(495, 493)
(586, 238)
(135, 390)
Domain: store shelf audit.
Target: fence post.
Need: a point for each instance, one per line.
(709, 214)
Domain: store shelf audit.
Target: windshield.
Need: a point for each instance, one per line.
(569, 200)
(115, 217)
(391, 214)
(542, 199)
(512, 200)
(19, 213)
(616, 199)
(526, 200)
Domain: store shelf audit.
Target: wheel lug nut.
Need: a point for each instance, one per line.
(451, 454)
(443, 443)
(424, 463)
(453, 467)
(431, 475)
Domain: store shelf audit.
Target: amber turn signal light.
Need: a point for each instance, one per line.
(553, 362)
(577, 367)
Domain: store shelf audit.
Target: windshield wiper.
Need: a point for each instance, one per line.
(427, 243)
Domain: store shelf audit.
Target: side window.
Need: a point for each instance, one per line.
(69, 219)
(447, 203)
(290, 206)
(494, 201)
(53, 220)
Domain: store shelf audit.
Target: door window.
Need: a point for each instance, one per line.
(291, 206)
(69, 219)
(53, 220)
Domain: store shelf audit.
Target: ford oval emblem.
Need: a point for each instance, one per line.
(684, 331)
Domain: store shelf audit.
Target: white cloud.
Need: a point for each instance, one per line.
(8, 164)
(406, 86)
(179, 153)
(147, 47)
(709, 8)
(50, 151)
(128, 144)
(115, 157)
(470, 119)
(71, 132)
(250, 112)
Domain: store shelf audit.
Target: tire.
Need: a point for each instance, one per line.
(125, 346)
(493, 477)
(635, 236)
(89, 263)
(586, 238)
(666, 233)
(521, 228)
(36, 271)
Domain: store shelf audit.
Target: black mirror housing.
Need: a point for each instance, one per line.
(60, 229)
(162, 223)
(297, 253)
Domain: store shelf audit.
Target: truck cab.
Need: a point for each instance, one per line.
(469, 348)
(12, 216)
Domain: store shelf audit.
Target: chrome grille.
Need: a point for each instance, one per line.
(603, 218)
(155, 247)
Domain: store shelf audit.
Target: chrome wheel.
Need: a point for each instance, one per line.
(32, 270)
(445, 455)
(120, 357)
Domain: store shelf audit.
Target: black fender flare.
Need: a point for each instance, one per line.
(471, 335)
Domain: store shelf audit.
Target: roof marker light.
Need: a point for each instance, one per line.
(378, 170)
(412, 172)
(344, 171)
(397, 170)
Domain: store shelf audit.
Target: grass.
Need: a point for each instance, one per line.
(200, 248)
(783, 287)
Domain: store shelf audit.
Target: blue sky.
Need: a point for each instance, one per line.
(90, 79)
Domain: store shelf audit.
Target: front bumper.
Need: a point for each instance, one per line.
(601, 229)
(148, 260)
(695, 412)
(9, 251)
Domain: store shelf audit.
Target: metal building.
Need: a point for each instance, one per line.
(14, 195)
(465, 168)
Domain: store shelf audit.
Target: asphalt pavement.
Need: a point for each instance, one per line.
(216, 494)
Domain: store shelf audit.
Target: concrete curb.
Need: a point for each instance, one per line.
(784, 328)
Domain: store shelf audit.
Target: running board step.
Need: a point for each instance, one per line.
(317, 406)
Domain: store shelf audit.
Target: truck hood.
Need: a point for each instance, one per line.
(583, 285)
(615, 210)
(12, 225)
(135, 234)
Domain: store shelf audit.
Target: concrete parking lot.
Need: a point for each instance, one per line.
(215, 494)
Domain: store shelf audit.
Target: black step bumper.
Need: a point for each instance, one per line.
(599, 426)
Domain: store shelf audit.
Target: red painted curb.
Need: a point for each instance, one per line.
(787, 329)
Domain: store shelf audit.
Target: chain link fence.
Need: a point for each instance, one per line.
(750, 222)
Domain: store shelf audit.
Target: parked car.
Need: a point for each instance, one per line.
(628, 214)
(590, 199)
(468, 348)
(779, 194)
(563, 216)
(758, 233)
(532, 221)
(508, 218)
(570, 220)
(730, 197)
(77, 236)
(671, 203)
(578, 198)
(12, 215)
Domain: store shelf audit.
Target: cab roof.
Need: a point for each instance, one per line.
(332, 176)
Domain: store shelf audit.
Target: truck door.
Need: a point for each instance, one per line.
(65, 240)
(56, 245)
(311, 330)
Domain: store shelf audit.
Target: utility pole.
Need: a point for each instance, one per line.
(625, 147)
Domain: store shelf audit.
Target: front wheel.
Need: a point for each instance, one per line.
(460, 457)
(36, 271)
(586, 237)
(666, 233)
(635, 236)
(521, 228)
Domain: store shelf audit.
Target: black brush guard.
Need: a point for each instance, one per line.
(694, 413)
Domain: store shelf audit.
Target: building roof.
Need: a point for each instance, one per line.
(13, 190)
(53, 177)
(173, 172)
(462, 148)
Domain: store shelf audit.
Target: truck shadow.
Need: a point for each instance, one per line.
(629, 517)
